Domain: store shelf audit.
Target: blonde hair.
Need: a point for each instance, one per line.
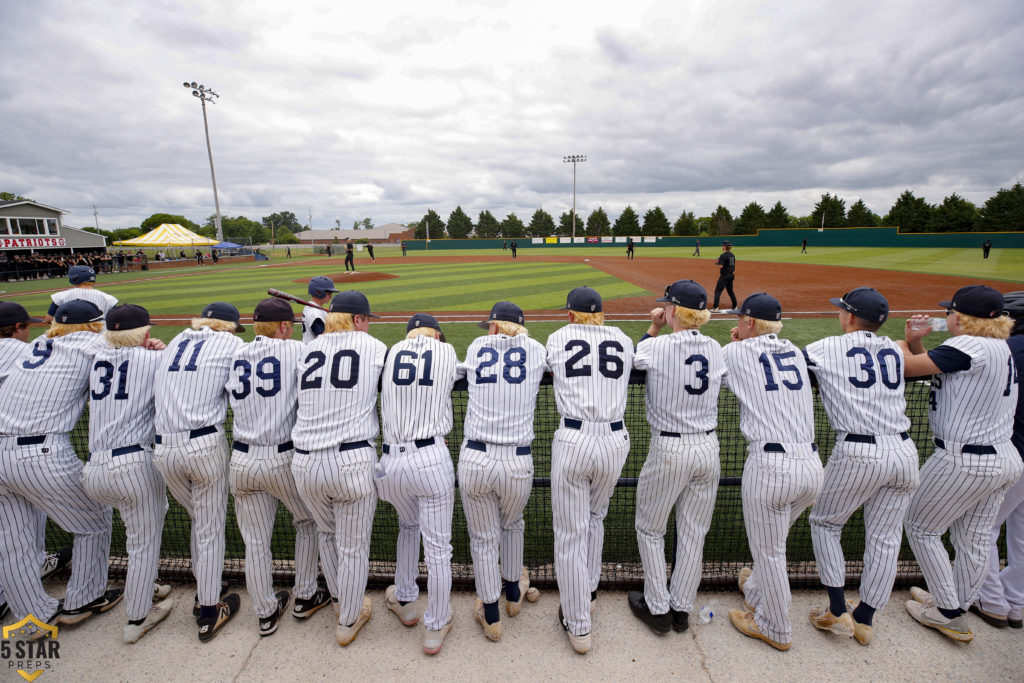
(214, 324)
(691, 318)
(266, 329)
(581, 318)
(60, 329)
(765, 326)
(340, 322)
(510, 329)
(423, 332)
(124, 338)
(996, 328)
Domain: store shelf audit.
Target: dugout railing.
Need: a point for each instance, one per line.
(725, 548)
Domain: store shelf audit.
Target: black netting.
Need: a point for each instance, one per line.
(725, 548)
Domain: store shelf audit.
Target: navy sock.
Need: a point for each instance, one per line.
(491, 612)
(136, 622)
(950, 613)
(836, 600)
(863, 613)
(206, 611)
(512, 591)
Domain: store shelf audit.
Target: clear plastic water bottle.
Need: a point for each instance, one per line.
(707, 613)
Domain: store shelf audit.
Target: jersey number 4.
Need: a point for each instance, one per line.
(608, 363)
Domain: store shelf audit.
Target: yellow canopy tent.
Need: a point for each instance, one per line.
(168, 235)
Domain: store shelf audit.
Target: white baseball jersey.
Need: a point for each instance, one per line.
(503, 374)
(10, 350)
(416, 389)
(591, 365)
(684, 378)
(309, 316)
(769, 377)
(337, 375)
(121, 409)
(975, 406)
(190, 380)
(263, 390)
(861, 379)
(50, 380)
(101, 299)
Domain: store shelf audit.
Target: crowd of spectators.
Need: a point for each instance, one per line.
(29, 266)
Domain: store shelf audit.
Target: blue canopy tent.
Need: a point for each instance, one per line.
(227, 245)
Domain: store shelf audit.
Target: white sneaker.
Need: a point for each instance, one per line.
(407, 614)
(929, 615)
(922, 596)
(159, 612)
(433, 640)
(346, 634)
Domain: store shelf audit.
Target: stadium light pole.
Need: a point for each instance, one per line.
(208, 95)
(574, 159)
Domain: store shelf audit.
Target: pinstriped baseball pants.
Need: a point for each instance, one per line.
(1003, 591)
(337, 488)
(259, 479)
(40, 533)
(776, 489)
(131, 484)
(495, 486)
(682, 473)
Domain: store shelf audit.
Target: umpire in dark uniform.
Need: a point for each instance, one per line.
(727, 272)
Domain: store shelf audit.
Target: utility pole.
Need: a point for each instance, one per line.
(208, 95)
(574, 159)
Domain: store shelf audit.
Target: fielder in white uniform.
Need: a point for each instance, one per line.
(335, 454)
(972, 403)
(415, 473)
(590, 364)
(783, 475)
(120, 470)
(263, 393)
(684, 379)
(45, 394)
(191, 451)
(503, 371)
(83, 281)
(320, 290)
(873, 462)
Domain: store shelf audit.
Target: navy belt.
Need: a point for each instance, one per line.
(194, 433)
(31, 440)
(419, 443)
(969, 448)
(676, 435)
(244, 447)
(578, 424)
(481, 446)
(353, 445)
(868, 438)
(125, 450)
(773, 447)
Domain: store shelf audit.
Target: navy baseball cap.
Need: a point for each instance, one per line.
(274, 310)
(504, 310)
(977, 300)
(320, 285)
(864, 302)
(127, 317)
(12, 314)
(77, 312)
(351, 302)
(686, 293)
(761, 305)
(424, 320)
(583, 300)
(726, 243)
(79, 274)
(219, 310)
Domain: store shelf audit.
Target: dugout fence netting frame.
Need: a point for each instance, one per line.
(725, 547)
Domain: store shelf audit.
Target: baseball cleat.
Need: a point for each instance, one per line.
(54, 562)
(824, 620)
(988, 617)
(922, 596)
(433, 640)
(930, 616)
(307, 607)
(407, 613)
(1014, 621)
(680, 620)
(714, 310)
(268, 625)
(161, 591)
(211, 626)
(101, 604)
(492, 631)
(659, 623)
(862, 633)
(512, 608)
(346, 634)
(581, 644)
(741, 581)
(159, 612)
(35, 633)
(223, 592)
(745, 624)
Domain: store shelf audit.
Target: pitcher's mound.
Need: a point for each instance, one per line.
(350, 276)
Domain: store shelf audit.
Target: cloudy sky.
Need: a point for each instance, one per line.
(383, 109)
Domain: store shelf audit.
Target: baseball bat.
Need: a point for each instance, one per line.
(291, 297)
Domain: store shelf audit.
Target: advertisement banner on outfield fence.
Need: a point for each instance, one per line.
(31, 242)
(565, 240)
(593, 240)
(550, 240)
(537, 240)
(607, 240)
(650, 239)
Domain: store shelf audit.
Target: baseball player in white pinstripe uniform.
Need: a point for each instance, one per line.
(83, 281)
(972, 402)
(503, 371)
(39, 470)
(783, 473)
(192, 453)
(415, 473)
(873, 462)
(684, 379)
(335, 454)
(590, 364)
(120, 470)
(320, 290)
(263, 393)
